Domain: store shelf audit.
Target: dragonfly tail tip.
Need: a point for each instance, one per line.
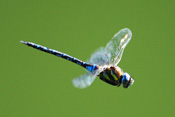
(23, 42)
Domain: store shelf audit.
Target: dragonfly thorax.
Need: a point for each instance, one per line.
(112, 75)
(116, 77)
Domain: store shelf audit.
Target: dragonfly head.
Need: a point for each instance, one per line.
(127, 80)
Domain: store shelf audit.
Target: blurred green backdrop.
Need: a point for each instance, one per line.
(36, 84)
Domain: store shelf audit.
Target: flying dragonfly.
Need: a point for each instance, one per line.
(102, 63)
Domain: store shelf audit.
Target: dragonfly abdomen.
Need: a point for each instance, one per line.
(89, 67)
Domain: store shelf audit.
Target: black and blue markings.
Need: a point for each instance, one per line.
(89, 67)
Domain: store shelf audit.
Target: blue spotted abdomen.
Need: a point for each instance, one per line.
(89, 67)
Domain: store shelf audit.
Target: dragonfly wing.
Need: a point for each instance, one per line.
(99, 57)
(117, 45)
(84, 80)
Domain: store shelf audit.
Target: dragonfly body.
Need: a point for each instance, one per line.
(102, 63)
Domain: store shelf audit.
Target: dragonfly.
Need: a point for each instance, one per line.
(103, 63)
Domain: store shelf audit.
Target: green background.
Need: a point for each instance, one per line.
(36, 84)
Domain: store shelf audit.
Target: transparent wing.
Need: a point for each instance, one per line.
(99, 57)
(84, 80)
(113, 51)
(117, 45)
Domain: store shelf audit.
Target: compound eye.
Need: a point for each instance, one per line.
(126, 77)
(126, 80)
